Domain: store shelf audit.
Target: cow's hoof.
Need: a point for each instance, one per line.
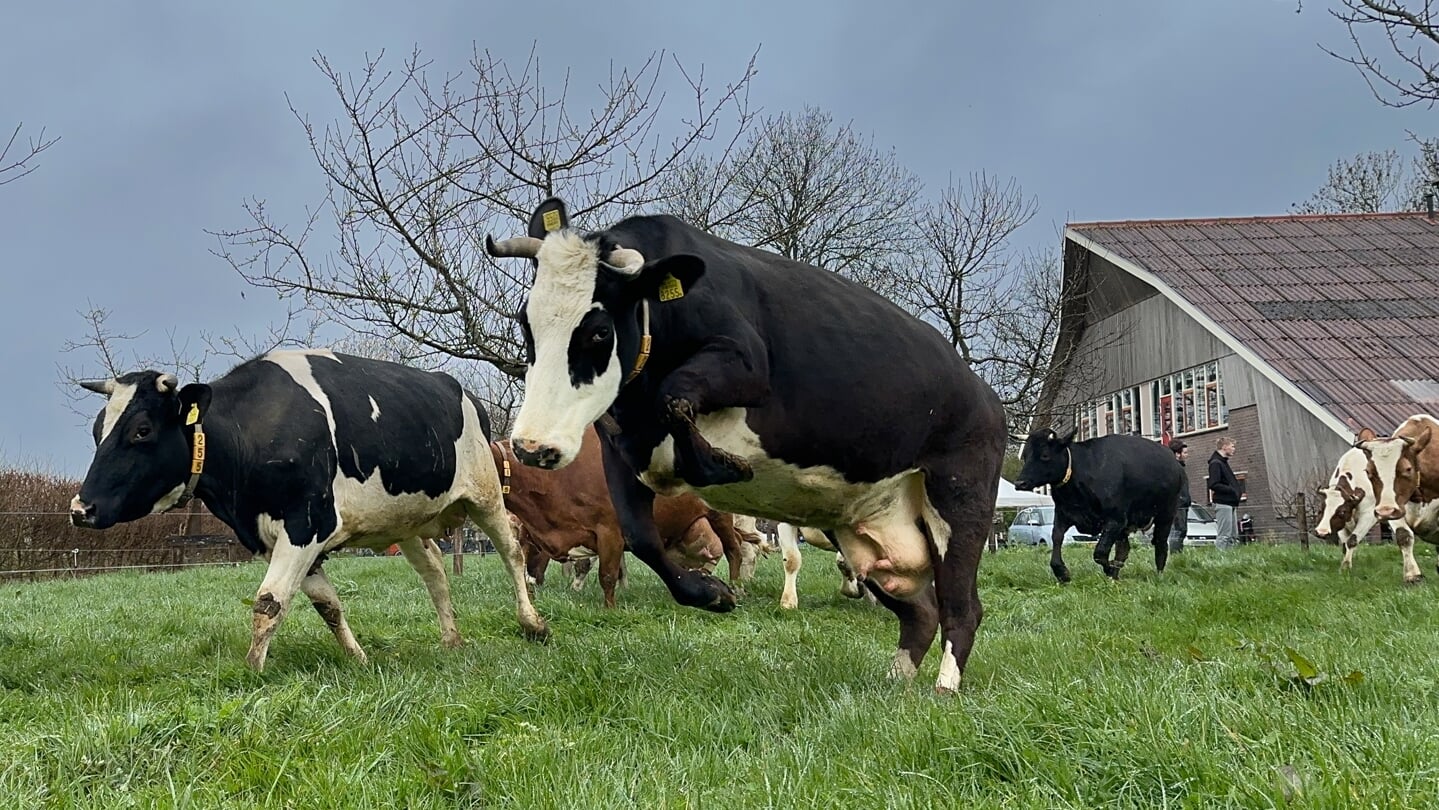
(539, 632)
(944, 691)
(719, 469)
(1061, 573)
(450, 641)
(1417, 579)
(700, 590)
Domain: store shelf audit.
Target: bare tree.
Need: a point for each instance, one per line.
(18, 159)
(1424, 173)
(1410, 29)
(807, 189)
(108, 351)
(423, 164)
(1369, 182)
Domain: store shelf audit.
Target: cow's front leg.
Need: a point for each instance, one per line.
(1056, 548)
(634, 506)
(726, 373)
(1404, 539)
(289, 566)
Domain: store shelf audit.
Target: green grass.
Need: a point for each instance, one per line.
(1172, 690)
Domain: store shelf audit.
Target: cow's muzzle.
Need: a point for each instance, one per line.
(1021, 483)
(82, 514)
(533, 454)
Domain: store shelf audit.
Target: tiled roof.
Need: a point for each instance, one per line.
(1344, 306)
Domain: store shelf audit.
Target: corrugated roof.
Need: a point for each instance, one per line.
(1345, 306)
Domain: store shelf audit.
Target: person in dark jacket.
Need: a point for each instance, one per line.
(1180, 529)
(1224, 490)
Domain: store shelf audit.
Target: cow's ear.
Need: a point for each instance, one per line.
(194, 402)
(550, 216)
(1365, 435)
(669, 278)
(1421, 441)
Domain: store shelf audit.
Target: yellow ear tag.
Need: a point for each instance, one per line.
(670, 288)
(193, 416)
(551, 220)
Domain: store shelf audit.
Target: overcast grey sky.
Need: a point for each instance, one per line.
(171, 116)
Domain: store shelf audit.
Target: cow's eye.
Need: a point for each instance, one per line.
(142, 432)
(600, 335)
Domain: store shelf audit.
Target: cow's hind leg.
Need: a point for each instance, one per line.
(1163, 523)
(918, 622)
(1112, 535)
(326, 600)
(424, 556)
(957, 517)
(492, 520)
(611, 549)
(289, 566)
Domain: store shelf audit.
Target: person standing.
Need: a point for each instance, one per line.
(1224, 490)
(1180, 529)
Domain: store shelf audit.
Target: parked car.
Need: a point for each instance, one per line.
(1034, 526)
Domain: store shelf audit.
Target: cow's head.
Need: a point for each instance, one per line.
(1341, 499)
(1046, 459)
(582, 327)
(1394, 472)
(142, 448)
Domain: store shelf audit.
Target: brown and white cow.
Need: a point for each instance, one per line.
(1349, 505)
(1404, 472)
(789, 543)
(570, 508)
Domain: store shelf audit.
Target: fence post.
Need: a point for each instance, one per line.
(1303, 519)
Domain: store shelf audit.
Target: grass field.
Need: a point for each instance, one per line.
(1172, 690)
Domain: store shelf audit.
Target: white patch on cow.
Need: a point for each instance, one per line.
(1423, 519)
(874, 522)
(948, 680)
(296, 363)
(789, 547)
(1386, 454)
(374, 410)
(555, 412)
(115, 407)
(168, 502)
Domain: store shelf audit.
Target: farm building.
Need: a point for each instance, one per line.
(1287, 333)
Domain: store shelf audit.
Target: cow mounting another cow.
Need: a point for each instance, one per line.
(732, 371)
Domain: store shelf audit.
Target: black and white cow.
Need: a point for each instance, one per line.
(774, 389)
(1108, 487)
(301, 452)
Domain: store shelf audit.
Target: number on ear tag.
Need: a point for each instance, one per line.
(552, 220)
(670, 288)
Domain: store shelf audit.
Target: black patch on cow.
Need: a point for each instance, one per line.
(412, 442)
(592, 344)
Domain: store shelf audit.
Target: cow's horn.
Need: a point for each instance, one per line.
(625, 260)
(521, 247)
(167, 383)
(106, 387)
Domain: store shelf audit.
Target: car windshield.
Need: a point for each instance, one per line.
(1200, 514)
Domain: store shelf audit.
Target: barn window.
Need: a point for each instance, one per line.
(1178, 404)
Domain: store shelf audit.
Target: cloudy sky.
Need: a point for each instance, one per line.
(172, 116)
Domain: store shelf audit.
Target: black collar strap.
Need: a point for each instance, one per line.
(197, 458)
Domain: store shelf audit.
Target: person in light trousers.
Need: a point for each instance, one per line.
(1224, 491)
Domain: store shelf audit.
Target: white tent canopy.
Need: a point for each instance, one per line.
(1009, 497)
